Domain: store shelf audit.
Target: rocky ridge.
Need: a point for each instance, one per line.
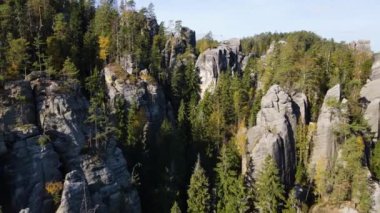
(45, 136)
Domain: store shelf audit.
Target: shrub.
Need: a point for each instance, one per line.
(43, 140)
(54, 189)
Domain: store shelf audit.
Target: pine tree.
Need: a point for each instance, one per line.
(199, 199)
(269, 190)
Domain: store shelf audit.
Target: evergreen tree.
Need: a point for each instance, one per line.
(17, 56)
(175, 208)
(101, 127)
(69, 70)
(269, 189)
(199, 199)
(230, 188)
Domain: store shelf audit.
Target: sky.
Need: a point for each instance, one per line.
(342, 20)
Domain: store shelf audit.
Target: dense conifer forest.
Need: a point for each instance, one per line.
(246, 138)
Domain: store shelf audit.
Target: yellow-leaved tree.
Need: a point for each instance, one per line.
(104, 44)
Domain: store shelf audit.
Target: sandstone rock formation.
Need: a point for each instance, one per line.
(147, 94)
(214, 61)
(370, 97)
(55, 111)
(177, 44)
(324, 144)
(274, 133)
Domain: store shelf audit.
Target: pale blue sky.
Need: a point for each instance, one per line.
(345, 20)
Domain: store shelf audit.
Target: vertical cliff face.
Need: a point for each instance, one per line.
(44, 134)
(324, 145)
(212, 62)
(370, 97)
(274, 133)
(177, 45)
(144, 92)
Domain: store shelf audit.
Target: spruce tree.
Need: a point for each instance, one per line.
(230, 188)
(198, 193)
(69, 69)
(269, 190)
(101, 128)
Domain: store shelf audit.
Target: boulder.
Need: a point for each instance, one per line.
(274, 133)
(214, 61)
(324, 145)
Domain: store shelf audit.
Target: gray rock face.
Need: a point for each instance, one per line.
(375, 197)
(376, 67)
(148, 96)
(61, 112)
(17, 110)
(214, 61)
(370, 97)
(57, 109)
(324, 145)
(109, 182)
(75, 195)
(177, 45)
(28, 168)
(274, 133)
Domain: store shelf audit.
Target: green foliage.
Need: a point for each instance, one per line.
(229, 188)
(375, 160)
(199, 200)
(175, 208)
(101, 128)
(69, 69)
(269, 189)
(303, 150)
(43, 140)
(256, 106)
(350, 180)
(207, 42)
(135, 126)
(17, 56)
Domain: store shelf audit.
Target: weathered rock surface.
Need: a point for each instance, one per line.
(375, 67)
(36, 107)
(375, 197)
(177, 44)
(324, 144)
(147, 94)
(274, 133)
(75, 195)
(214, 61)
(370, 97)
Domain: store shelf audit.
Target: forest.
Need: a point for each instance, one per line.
(187, 148)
